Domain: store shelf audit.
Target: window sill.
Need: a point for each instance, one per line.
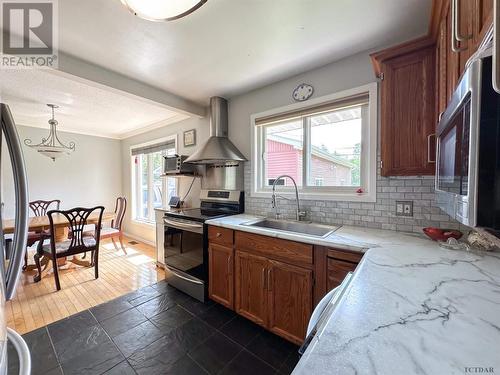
(311, 196)
(145, 223)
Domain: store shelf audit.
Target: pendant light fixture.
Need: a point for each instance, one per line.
(162, 10)
(51, 146)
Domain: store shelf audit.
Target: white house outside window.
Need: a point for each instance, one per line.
(149, 189)
(328, 145)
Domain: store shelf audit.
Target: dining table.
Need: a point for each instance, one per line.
(61, 231)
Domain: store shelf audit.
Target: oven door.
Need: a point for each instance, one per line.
(185, 256)
(457, 154)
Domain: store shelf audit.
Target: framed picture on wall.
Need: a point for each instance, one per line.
(190, 138)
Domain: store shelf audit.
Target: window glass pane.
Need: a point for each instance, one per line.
(283, 145)
(335, 148)
(157, 188)
(141, 184)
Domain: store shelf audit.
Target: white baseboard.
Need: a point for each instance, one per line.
(143, 240)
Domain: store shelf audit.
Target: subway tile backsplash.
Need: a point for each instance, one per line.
(381, 214)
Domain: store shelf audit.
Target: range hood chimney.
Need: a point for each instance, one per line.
(218, 149)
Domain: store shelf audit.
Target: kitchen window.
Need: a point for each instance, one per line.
(328, 145)
(149, 189)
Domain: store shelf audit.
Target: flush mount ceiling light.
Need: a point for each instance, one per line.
(162, 10)
(51, 146)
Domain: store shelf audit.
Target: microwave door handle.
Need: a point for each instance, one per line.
(454, 23)
(458, 34)
(21, 197)
(496, 47)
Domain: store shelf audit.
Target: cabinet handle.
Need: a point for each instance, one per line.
(454, 24)
(264, 279)
(429, 148)
(218, 234)
(269, 280)
(458, 35)
(229, 265)
(496, 47)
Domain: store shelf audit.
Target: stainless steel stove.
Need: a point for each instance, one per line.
(185, 240)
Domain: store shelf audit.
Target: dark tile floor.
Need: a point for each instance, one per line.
(156, 330)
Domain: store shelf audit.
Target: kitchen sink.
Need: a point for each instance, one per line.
(305, 228)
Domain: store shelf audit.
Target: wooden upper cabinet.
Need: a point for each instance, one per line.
(221, 276)
(290, 291)
(250, 283)
(408, 108)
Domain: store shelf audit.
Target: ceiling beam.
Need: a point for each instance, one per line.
(94, 73)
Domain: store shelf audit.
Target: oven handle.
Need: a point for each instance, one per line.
(191, 280)
(182, 225)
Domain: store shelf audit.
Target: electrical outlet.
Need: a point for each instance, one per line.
(404, 208)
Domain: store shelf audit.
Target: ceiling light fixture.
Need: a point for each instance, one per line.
(162, 10)
(51, 146)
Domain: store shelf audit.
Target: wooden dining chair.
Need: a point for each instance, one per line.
(115, 230)
(38, 208)
(76, 244)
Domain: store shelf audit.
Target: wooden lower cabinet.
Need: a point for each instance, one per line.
(221, 275)
(273, 294)
(290, 291)
(251, 293)
(275, 284)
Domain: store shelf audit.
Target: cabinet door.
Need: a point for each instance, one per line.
(221, 265)
(290, 300)
(337, 271)
(408, 116)
(250, 283)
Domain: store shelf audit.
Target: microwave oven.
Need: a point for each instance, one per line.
(468, 150)
(175, 165)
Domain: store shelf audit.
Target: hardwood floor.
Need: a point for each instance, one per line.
(38, 304)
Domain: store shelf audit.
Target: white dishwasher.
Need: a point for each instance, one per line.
(323, 311)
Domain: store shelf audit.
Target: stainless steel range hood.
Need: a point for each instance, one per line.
(218, 149)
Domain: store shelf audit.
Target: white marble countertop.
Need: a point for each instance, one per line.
(346, 237)
(411, 308)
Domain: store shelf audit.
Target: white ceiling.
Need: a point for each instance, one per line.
(231, 46)
(85, 107)
(225, 48)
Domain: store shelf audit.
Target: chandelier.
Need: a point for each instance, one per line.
(162, 10)
(51, 146)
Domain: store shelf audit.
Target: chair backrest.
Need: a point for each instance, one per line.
(40, 207)
(77, 219)
(120, 208)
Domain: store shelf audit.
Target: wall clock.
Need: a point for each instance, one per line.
(302, 92)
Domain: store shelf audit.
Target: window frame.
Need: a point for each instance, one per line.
(368, 170)
(136, 190)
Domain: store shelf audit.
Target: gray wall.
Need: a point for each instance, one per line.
(90, 176)
(143, 231)
(345, 74)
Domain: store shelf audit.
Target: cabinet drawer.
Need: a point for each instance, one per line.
(222, 236)
(337, 271)
(275, 248)
(348, 256)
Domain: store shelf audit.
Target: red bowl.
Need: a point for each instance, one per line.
(438, 234)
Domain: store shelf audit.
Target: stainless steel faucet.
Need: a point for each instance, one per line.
(299, 214)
